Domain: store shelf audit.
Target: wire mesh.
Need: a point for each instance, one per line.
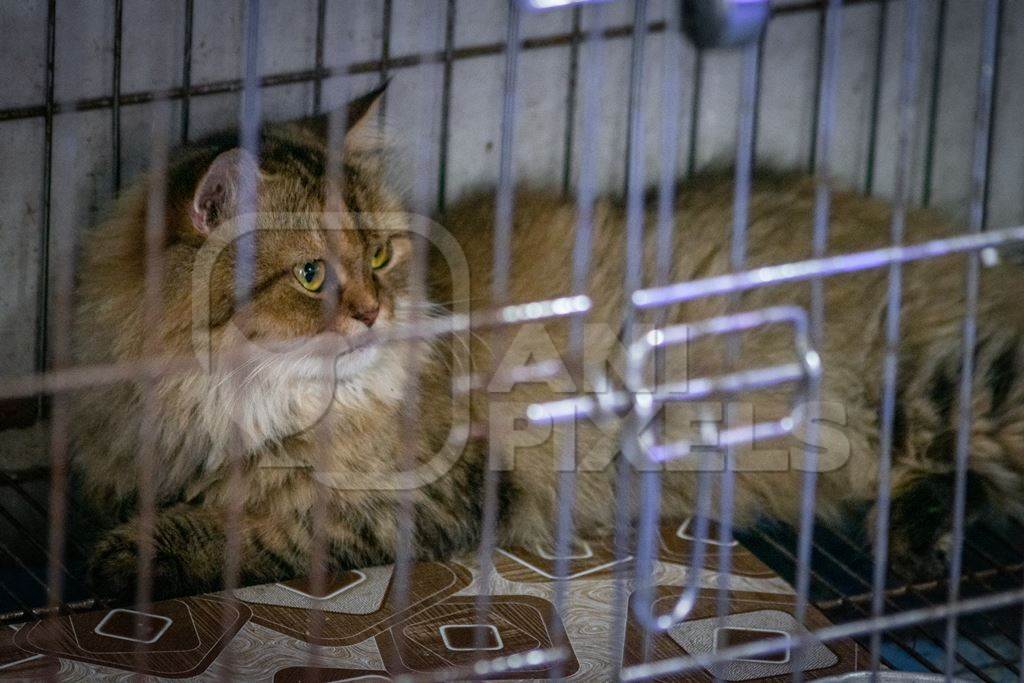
(982, 593)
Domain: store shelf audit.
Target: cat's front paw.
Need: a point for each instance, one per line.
(919, 523)
(114, 569)
(918, 559)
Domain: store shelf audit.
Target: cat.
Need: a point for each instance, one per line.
(769, 475)
(281, 407)
(274, 422)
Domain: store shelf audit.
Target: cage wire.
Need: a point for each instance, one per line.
(967, 624)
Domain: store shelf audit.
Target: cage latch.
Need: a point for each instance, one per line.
(644, 400)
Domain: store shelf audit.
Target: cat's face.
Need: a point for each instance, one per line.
(318, 282)
(317, 266)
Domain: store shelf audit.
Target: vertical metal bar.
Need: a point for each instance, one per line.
(570, 101)
(825, 115)
(635, 152)
(244, 273)
(145, 459)
(746, 130)
(698, 76)
(43, 281)
(249, 140)
(592, 73)
(650, 480)
(632, 280)
(979, 167)
(876, 97)
(186, 71)
(58, 477)
(446, 106)
(761, 42)
(992, 127)
(933, 104)
(60, 415)
(145, 462)
(890, 363)
(427, 105)
(668, 160)
(500, 283)
(647, 542)
(506, 181)
(385, 52)
(737, 257)
(318, 83)
(115, 107)
(827, 81)
(744, 156)
(812, 159)
(319, 550)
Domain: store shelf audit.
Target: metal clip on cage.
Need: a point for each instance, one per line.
(805, 372)
(644, 401)
(724, 23)
(805, 368)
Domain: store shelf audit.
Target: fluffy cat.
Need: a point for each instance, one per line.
(256, 433)
(271, 394)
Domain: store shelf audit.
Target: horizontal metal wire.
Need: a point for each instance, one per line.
(311, 75)
(364, 67)
(769, 646)
(82, 377)
(799, 271)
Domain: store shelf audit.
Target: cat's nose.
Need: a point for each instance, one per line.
(367, 315)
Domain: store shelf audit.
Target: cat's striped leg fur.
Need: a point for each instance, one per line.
(924, 475)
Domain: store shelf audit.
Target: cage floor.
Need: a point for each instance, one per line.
(988, 646)
(371, 627)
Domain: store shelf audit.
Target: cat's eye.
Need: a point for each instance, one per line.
(381, 256)
(311, 275)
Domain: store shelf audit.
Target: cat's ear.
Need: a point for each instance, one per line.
(362, 116)
(232, 177)
(363, 130)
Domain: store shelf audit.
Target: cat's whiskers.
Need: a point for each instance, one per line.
(482, 339)
(260, 368)
(234, 371)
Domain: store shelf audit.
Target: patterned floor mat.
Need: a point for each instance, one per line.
(377, 623)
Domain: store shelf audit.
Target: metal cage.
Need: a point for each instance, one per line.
(914, 100)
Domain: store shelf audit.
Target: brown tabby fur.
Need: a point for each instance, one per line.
(188, 423)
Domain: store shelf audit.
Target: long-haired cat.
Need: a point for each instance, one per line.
(270, 418)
